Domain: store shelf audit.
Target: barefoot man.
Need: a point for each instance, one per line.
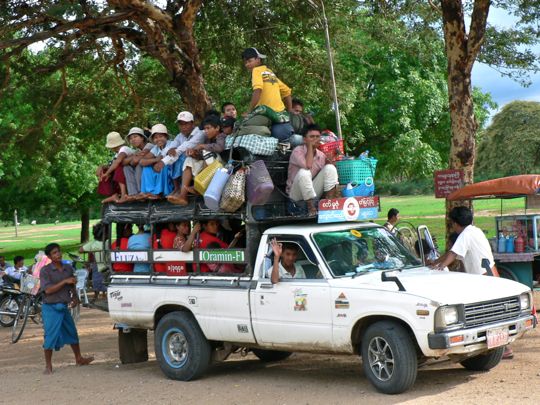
(58, 285)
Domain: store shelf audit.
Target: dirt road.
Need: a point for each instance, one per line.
(302, 379)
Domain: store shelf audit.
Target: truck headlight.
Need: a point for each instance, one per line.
(525, 301)
(446, 316)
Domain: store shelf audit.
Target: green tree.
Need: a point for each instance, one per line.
(502, 152)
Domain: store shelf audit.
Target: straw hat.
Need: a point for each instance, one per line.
(138, 131)
(159, 129)
(114, 139)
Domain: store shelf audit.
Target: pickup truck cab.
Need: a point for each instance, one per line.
(363, 294)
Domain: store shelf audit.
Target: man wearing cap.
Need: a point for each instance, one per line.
(132, 169)
(188, 137)
(269, 93)
(156, 179)
(116, 168)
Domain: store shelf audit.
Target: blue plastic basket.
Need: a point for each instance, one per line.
(356, 170)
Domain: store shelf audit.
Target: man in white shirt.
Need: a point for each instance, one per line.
(471, 246)
(284, 266)
(188, 137)
(15, 272)
(393, 218)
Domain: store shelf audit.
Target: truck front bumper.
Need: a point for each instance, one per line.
(471, 339)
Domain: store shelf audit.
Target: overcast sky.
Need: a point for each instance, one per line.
(502, 89)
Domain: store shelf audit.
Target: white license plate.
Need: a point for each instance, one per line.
(497, 337)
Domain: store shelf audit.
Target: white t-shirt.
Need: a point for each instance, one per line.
(285, 274)
(471, 247)
(16, 273)
(125, 150)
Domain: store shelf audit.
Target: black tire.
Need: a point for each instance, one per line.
(270, 355)
(190, 356)
(7, 304)
(389, 342)
(20, 319)
(484, 362)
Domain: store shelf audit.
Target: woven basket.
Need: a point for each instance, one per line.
(356, 170)
(332, 150)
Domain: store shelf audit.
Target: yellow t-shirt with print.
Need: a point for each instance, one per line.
(273, 89)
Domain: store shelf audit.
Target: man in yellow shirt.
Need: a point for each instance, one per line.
(271, 97)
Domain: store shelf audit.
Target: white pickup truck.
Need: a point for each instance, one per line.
(364, 294)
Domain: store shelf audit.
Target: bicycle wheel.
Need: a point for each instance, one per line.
(35, 311)
(20, 319)
(75, 313)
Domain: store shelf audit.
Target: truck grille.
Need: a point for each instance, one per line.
(486, 312)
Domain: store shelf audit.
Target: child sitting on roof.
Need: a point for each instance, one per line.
(116, 169)
(132, 169)
(156, 179)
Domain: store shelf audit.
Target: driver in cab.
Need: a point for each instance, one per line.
(284, 266)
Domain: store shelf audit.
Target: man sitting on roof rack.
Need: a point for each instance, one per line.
(310, 177)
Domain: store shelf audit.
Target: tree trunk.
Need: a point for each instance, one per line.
(461, 52)
(85, 224)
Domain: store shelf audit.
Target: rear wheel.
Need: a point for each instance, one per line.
(20, 319)
(485, 361)
(8, 304)
(182, 351)
(270, 355)
(389, 357)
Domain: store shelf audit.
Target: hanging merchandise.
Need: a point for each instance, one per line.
(234, 192)
(203, 179)
(365, 189)
(213, 193)
(259, 184)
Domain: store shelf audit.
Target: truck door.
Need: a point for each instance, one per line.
(295, 310)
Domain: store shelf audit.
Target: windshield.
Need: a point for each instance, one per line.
(354, 251)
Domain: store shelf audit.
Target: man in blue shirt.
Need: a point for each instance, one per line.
(140, 241)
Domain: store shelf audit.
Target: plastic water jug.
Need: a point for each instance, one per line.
(212, 195)
(501, 244)
(510, 244)
(519, 244)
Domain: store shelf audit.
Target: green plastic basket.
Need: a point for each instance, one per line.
(356, 170)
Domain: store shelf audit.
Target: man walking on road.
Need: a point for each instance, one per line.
(58, 284)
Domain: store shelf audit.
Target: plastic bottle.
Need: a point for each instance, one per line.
(510, 244)
(519, 244)
(501, 243)
(364, 155)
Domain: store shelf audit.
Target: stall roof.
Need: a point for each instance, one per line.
(505, 187)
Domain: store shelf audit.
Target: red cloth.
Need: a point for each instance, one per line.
(205, 239)
(166, 241)
(119, 176)
(122, 267)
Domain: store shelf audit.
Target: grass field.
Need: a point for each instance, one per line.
(417, 210)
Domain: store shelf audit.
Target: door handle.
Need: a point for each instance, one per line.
(266, 285)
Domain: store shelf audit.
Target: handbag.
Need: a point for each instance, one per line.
(213, 193)
(203, 179)
(259, 184)
(233, 195)
(106, 187)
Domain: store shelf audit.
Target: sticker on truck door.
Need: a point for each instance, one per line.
(300, 300)
(341, 302)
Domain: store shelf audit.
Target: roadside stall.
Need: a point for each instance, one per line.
(516, 247)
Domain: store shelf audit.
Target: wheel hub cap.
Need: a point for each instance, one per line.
(177, 347)
(381, 358)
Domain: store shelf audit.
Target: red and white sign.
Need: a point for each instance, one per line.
(348, 209)
(447, 181)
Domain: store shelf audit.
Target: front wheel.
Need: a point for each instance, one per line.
(268, 356)
(485, 361)
(8, 304)
(20, 319)
(182, 351)
(389, 357)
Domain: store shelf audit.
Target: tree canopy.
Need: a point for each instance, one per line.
(511, 144)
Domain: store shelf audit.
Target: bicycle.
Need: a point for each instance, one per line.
(29, 306)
